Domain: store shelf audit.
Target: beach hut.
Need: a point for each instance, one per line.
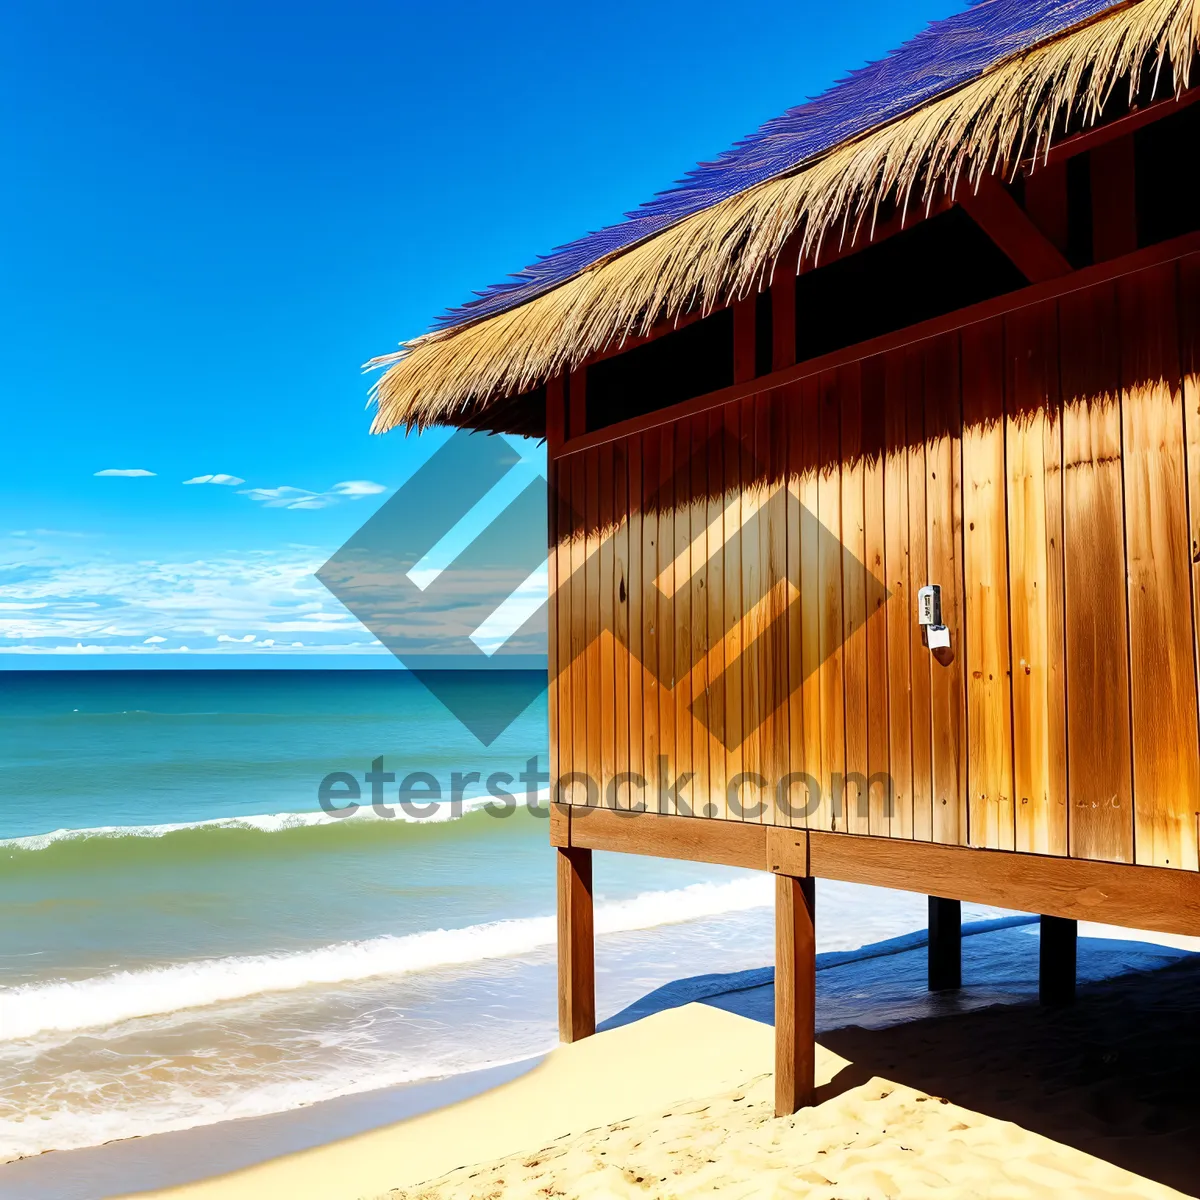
(874, 453)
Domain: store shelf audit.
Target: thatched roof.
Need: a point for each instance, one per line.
(971, 95)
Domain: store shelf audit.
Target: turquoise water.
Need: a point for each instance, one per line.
(185, 936)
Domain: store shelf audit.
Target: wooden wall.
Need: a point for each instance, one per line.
(733, 592)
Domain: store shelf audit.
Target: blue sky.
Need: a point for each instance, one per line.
(214, 212)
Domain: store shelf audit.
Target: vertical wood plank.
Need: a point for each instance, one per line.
(579, 740)
(918, 551)
(1099, 757)
(1035, 488)
(778, 757)
(943, 457)
(620, 641)
(734, 725)
(1189, 328)
(945, 944)
(577, 402)
(1046, 202)
(608, 622)
(816, 806)
(576, 945)
(854, 600)
(635, 676)
(899, 613)
(563, 727)
(651, 442)
(797, 796)
(795, 994)
(743, 339)
(682, 675)
(592, 657)
(1166, 769)
(701, 690)
(668, 761)
(830, 670)
(991, 818)
(715, 586)
(881, 799)
(754, 485)
(1114, 199)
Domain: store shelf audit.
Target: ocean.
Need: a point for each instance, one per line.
(187, 937)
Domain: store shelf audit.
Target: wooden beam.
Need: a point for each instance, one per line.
(783, 308)
(695, 839)
(1121, 127)
(556, 414)
(1046, 202)
(577, 403)
(1056, 976)
(1160, 898)
(1009, 226)
(1114, 200)
(576, 946)
(795, 994)
(945, 944)
(985, 310)
(743, 339)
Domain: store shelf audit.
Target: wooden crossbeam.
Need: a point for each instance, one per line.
(1008, 225)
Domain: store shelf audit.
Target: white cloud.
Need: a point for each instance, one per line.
(302, 498)
(224, 480)
(126, 472)
(254, 602)
(357, 487)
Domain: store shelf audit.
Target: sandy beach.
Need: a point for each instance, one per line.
(1015, 1101)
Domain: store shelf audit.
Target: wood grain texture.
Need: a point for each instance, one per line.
(576, 945)
(923, 665)
(701, 690)
(816, 813)
(990, 815)
(662, 835)
(634, 676)
(1100, 799)
(829, 605)
(666, 612)
(899, 609)
(605, 650)
(620, 651)
(1189, 343)
(651, 445)
(734, 724)
(854, 800)
(1166, 771)
(943, 489)
(715, 587)
(795, 994)
(881, 799)
(1034, 450)
(683, 760)
(1114, 893)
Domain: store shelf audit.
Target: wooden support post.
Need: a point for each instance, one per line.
(945, 944)
(576, 945)
(795, 993)
(1114, 200)
(1056, 979)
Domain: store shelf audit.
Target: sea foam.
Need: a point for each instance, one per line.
(443, 810)
(105, 1000)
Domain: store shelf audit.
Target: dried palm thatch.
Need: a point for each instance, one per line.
(1007, 115)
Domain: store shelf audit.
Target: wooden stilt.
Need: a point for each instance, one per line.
(945, 944)
(795, 993)
(576, 945)
(1056, 980)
